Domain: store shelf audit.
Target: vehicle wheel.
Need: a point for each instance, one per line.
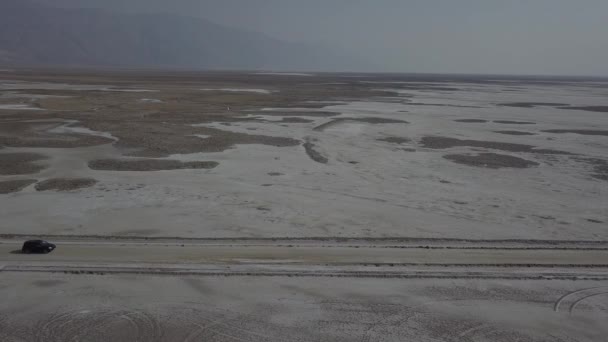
(46, 251)
(26, 251)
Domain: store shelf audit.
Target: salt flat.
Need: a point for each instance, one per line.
(336, 207)
(369, 187)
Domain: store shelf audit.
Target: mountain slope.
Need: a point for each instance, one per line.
(37, 35)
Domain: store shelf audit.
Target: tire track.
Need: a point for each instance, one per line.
(464, 335)
(224, 326)
(576, 303)
(582, 292)
(405, 274)
(147, 327)
(177, 240)
(92, 324)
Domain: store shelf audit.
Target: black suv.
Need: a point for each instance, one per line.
(37, 246)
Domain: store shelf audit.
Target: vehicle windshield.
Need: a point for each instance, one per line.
(303, 170)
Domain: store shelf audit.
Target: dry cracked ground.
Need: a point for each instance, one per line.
(430, 163)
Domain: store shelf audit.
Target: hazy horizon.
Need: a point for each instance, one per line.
(543, 37)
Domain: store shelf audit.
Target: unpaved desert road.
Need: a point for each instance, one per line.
(118, 252)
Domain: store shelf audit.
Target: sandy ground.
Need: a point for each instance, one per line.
(135, 289)
(60, 307)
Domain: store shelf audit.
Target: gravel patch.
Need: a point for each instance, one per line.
(369, 120)
(578, 131)
(395, 140)
(295, 120)
(7, 187)
(148, 165)
(420, 87)
(221, 140)
(440, 105)
(599, 166)
(597, 109)
(313, 153)
(443, 143)
(514, 133)
(65, 141)
(471, 120)
(157, 139)
(532, 104)
(65, 184)
(490, 160)
(510, 122)
(37, 134)
(316, 114)
(20, 163)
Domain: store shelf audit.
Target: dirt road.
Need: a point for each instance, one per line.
(310, 259)
(158, 253)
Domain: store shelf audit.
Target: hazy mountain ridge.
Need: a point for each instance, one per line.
(32, 34)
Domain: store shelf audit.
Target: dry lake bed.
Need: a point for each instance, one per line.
(218, 206)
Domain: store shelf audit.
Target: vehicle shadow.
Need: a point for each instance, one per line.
(16, 251)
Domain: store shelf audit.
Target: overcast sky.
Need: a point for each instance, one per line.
(457, 36)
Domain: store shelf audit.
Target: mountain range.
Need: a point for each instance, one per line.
(34, 34)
